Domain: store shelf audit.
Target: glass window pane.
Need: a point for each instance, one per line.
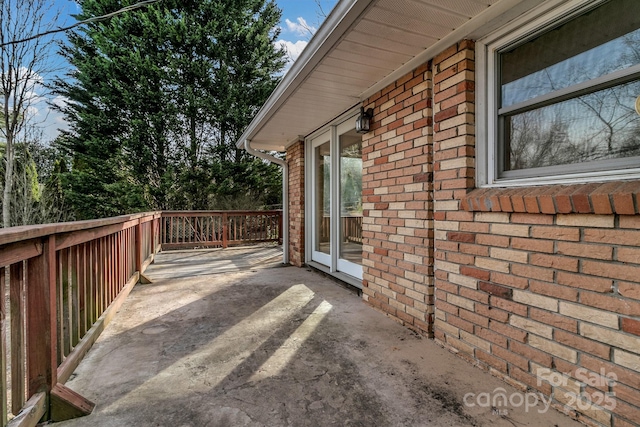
(597, 126)
(322, 192)
(351, 197)
(595, 44)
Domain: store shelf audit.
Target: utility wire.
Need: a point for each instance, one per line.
(86, 21)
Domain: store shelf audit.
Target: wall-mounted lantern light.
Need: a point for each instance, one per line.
(363, 122)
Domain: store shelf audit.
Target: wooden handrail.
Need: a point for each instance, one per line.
(196, 229)
(66, 282)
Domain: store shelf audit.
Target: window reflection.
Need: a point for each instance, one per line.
(598, 43)
(596, 123)
(323, 205)
(351, 197)
(598, 126)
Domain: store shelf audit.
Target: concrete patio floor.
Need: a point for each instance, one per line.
(232, 338)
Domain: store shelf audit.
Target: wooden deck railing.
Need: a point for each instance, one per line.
(60, 284)
(65, 282)
(219, 228)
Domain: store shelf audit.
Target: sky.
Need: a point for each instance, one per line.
(300, 18)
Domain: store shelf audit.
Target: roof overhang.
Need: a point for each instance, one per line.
(363, 46)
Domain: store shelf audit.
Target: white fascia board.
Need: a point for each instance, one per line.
(341, 18)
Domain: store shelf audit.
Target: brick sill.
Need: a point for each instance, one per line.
(618, 197)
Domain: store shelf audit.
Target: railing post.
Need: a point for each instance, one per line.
(3, 352)
(138, 249)
(225, 230)
(153, 236)
(42, 363)
(17, 303)
(280, 228)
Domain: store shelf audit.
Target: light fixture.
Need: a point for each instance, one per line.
(363, 122)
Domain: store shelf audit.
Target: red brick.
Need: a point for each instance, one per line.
(631, 413)
(490, 360)
(460, 323)
(509, 331)
(474, 318)
(474, 250)
(619, 305)
(534, 245)
(555, 262)
(509, 306)
(546, 200)
(474, 295)
(493, 289)
(625, 376)
(553, 290)
(446, 307)
(531, 353)
(583, 250)
(509, 280)
(492, 240)
(531, 204)
(623, 199)
(629, 290)
(461, 237)
(609, 270)
(563, 199)
(511, 358)
(553, 319)
(586, 282)
(631, 221)
(517, 200)
(492, 313)
(475, 272)
(616, 237)
(631, 326)
(628, 394)
(583, 344)
(556, 233)
(620, 422)
(600, 198)
(534, 219)
(580, 198)
(545, 274)
(491, 336)
(631, 255)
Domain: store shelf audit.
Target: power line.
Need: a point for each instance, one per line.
(86, 21)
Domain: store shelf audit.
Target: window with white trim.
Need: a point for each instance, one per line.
(562, 95)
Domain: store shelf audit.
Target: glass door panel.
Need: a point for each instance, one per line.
(350, 195)
(321, 181)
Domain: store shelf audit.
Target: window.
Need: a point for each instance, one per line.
(561, 95)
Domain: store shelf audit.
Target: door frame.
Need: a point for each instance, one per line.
(335, 265)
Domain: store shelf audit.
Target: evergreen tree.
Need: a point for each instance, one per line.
(158, 98)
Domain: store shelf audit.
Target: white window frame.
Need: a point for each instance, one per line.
(487, 140)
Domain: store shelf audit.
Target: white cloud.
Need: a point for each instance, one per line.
(293, 49)
(301, 27)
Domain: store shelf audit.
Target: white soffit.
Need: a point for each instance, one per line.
(363, 46)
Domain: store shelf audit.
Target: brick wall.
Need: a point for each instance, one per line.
(526, 285)
(295, 160)
(397, 195)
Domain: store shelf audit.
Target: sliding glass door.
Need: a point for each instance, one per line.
(336, 194)
(321, 193)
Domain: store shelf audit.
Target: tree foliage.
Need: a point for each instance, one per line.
(157, 99)
(22, 67)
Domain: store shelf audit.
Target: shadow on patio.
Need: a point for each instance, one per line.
(260, 345)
